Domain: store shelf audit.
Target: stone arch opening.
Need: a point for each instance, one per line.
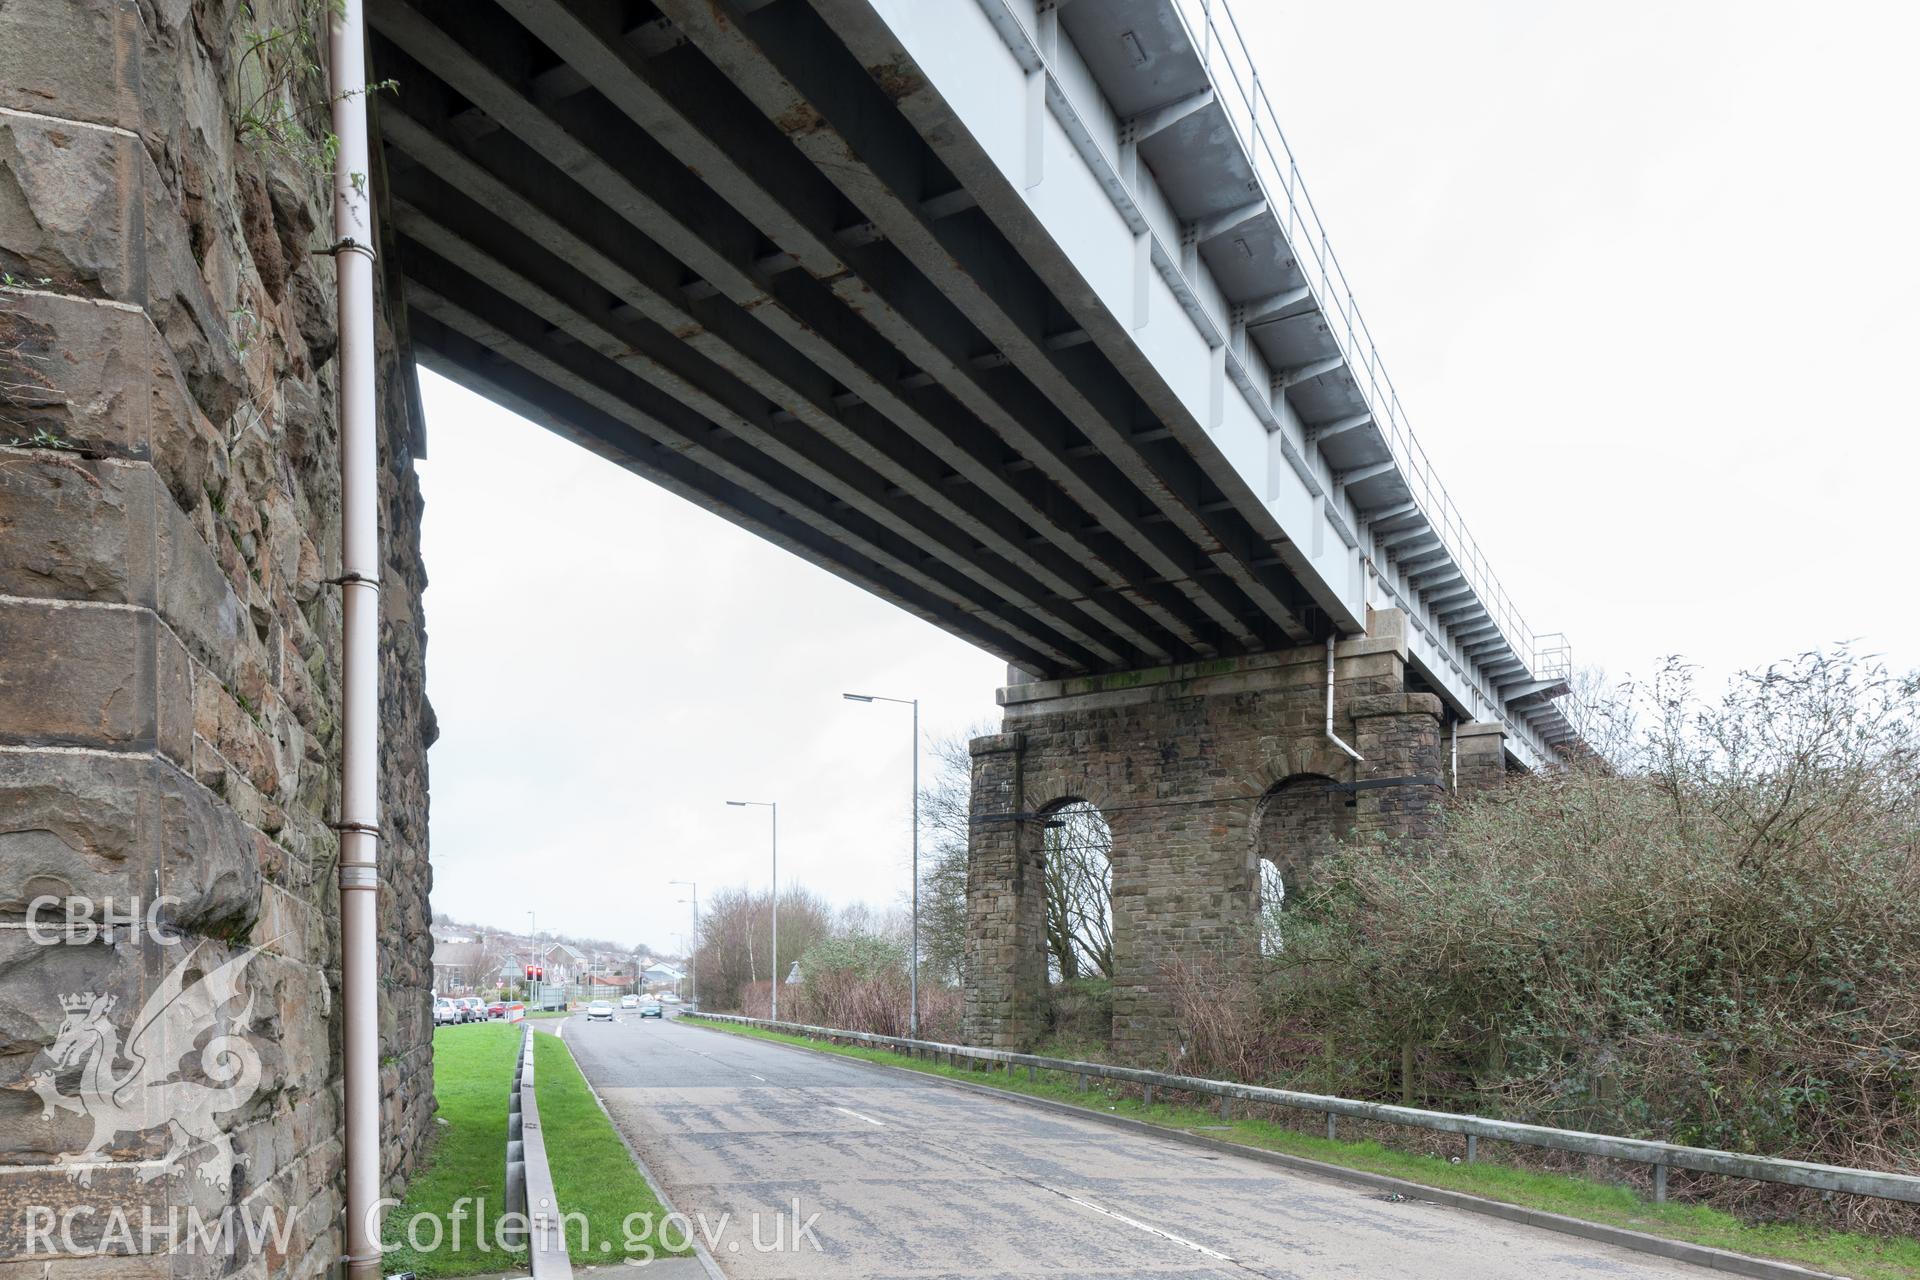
(1300, 819)
(1077, 853)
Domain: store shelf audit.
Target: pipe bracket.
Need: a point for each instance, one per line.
(346, 244)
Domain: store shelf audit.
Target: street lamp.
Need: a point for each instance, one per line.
(913, 960)
(773, 1004)
(693, 969)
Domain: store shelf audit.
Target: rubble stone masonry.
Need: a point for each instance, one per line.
(169, 641)
(1200, 771)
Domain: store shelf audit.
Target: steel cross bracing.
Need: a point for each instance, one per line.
(761, 254)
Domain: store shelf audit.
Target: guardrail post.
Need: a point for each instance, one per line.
(1146, 1095)
(1333, 1127)
(1083, 1082)
(1473, 1147)
(1032, 1075)
(1226, 1108)
(1659, 1184)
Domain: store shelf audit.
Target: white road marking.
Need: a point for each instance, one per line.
(1216, 1255)
(857, 1116)
(762, 1079)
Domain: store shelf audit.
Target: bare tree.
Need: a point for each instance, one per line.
(735, 927)
(1079, 889)
(944, 806)
(493, 953)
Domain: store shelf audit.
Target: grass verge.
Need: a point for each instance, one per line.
(1863, 1256)
(594, 1175)
(448, 1223)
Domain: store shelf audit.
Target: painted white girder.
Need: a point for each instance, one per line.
(1105, 124)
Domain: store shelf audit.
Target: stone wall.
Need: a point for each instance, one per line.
(1479, 756)
(169, 643)
(1184, 763)
(1299, 822)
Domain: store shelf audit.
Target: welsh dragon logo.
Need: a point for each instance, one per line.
(132, 1088)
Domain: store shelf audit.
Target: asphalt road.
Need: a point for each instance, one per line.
(912, 1178)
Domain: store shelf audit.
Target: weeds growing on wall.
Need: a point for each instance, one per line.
(280, 89)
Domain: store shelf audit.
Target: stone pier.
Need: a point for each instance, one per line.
(169, 647)
(1201, 771)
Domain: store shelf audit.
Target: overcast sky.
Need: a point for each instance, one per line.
(1647, 281)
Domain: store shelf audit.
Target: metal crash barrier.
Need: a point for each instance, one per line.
(1662, 1156)
(530, 1193)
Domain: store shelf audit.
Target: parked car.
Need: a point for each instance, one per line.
(652, 1009)
(629, 1002)
(472, 1009)
(444, 1011)
(498, 1009)
(601, 1009)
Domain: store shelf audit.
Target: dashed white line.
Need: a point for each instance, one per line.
(857, 1116)
(1215, 1254)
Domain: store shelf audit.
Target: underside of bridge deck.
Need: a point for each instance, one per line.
(751, 252)
(714, 250)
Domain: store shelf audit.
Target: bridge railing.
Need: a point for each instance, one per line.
(1216, 37)
(1661, 1156)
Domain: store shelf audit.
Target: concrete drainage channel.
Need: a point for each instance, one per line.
(529, 1182)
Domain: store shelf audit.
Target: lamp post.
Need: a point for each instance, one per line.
(773, 1003)
(693, 969)
(913, 959)
(533, 944)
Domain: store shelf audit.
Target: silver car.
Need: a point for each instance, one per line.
(599, 1009)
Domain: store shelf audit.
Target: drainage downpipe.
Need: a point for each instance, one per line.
(360, 660)
(1333, 737)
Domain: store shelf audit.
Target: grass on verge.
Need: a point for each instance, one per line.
(593, 1172)
(1863, 1256)
(472, 1072)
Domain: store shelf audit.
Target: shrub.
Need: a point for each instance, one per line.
(858, 981)
(1713, 939)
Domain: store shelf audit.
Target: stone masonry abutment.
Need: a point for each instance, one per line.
(1201, 771)
(169, 646)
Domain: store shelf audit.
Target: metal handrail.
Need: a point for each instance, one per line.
(1661, 1155)
(1223, 51)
